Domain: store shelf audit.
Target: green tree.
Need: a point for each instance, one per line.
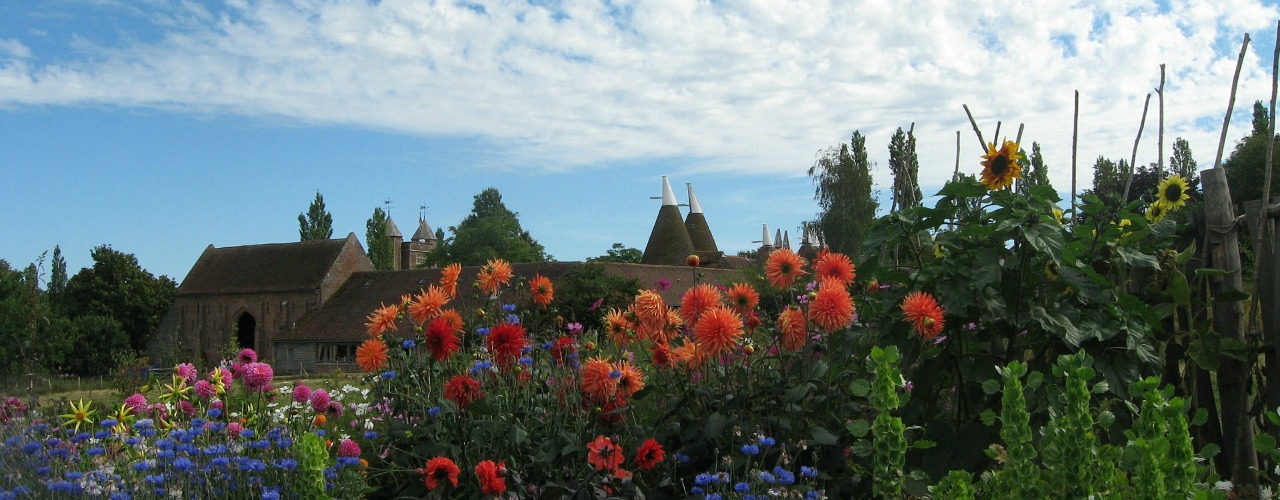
(19, 312)
(86, 345)
(316, 224)
(118, 288)
(57, 289)
(1182, 163)
(620, 253)
(489, 231)
(1034, 171)
(381, 249)
(1108, 180)
(906, 168)
(1246, 166)
(842, 178)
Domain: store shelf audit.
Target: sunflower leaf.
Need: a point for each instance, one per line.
(1136, 258)
(960, 189)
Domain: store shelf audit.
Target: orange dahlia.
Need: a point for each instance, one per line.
(630, 379)
(698, 300)
(688, 354)
(494, 274)
(650, 308)
(660, 354)
(792, 328)
(835, 265)
(783, 268)
(620, 328)
(831, 307)
(449, 279)
(542, 290)
(371, 355)
(427, 304)
(718, 330)
(597, 385)
(923, 311)
(672, 327)
(743, 297)
(603, 454)
(383, 319)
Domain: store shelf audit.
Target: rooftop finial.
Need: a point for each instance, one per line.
(694, 206)
(668, 196)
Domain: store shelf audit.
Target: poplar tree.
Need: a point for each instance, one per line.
(842, 179)
(316, 224)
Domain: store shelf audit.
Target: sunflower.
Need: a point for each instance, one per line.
(835, 265)
(383, 319)
(1000, 166)
(505, 342)
(831, 307)
(371, 355)
(449, 279)
(630, 379)
(923, 311)
(783, 267)
(427, 304)
(1172, 193)
(597, 385)
(717, 330)
(743, 297)
(698, 300)
(1156, 212)
(792, 328)
(494, 274)
(81, 414)
(603, 454)
(541, 290)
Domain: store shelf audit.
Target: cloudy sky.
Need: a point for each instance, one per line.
(164, 126)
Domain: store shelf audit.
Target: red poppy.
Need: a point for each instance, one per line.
(649, 455)
(440, 469)
(490, 475)
(603, 454)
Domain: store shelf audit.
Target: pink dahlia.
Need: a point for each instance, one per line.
(348, 448)
(319, 400)
(301, 393)
(248, 356)
(137, 402)
(234, 429)
(205, 390)
(186, 371)
(257, 376)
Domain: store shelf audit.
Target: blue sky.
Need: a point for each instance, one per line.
(160, 127)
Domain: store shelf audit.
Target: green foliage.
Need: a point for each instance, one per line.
(890, 444)
(957, 485)
(905, 167)
(1246, 165)
(1181, 162)
(57, 290)
(86, 345)
(1034, 171)
(313, 457)
(578, 290)
(316, 224)
(117, 287)
(490, 231)
(20, 308)
(620, 253)
(381, 249)
(842, 175)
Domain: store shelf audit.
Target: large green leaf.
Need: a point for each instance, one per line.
(1136, 258)
(1059, 324)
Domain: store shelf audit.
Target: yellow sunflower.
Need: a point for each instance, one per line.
(1000, 166)
(81, 414)
(1156, 212)
(1172, 193)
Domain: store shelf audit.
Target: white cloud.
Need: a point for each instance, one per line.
(740, 86)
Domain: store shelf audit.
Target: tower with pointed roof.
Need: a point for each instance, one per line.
(766, 244)
(669, 242)
(413, 253)
(397, 241)
(704, 244)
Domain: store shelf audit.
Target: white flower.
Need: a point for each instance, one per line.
(1265, 493)
(1223, 485)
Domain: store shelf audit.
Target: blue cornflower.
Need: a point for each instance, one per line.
(95, 451)
(388, 375)
(713, 496)
(433, 411)
(270, 495)
(215, 449)
(287, 464)
(74, 476)
(142, 466)
(526, 349)
(63, 487)
(102, 434)
(508, 307)
(183, 464)
(261, 444)
(807, 471)
(750, 450)
(252, 465)
(408, 344)
(53, 442)
(165, 454)
(31, 448)
(349, 461)
(513, 319)
(197, 423)
(615, 374)
(165, 443)
(220, 462)
(525, 360)
(214, 412)
(767, 441)
(484, 330)
(156, 479)
(370, 435)
(132, 441)
(59, 453)
(703, 479)
(812, 495)
(109, 423)
(696, 490)
(319, 432)
(768, 478)
(784, 476)
(145, 423)
(546, 345)
(80, 437)
(246, 433)
(681, 457)
(120, 495)
(742, 487)
(44, 470)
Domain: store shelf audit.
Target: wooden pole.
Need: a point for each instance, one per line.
(1133, 158)
(1160, 141)
(1226, 120)
(1233, 375)
(956, 175)
(1075, 138)
(982, 144)
(1266, 283)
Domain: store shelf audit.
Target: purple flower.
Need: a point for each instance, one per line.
(663, 284)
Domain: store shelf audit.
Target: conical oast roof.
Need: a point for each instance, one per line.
(696, 225)
(669, 242)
